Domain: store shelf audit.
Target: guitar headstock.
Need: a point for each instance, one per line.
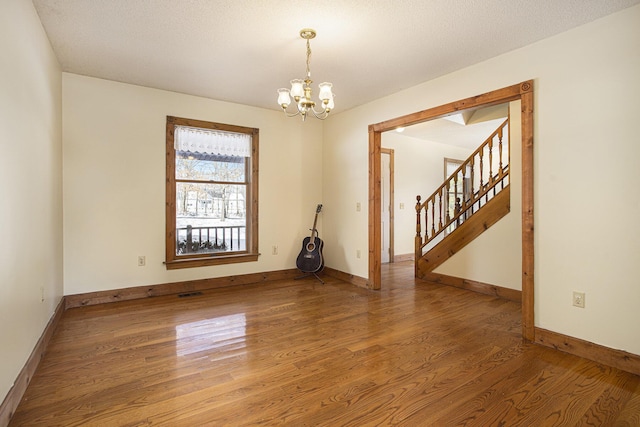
(319, 208)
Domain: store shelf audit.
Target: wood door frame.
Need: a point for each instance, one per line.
(390, 152)
(523, 92)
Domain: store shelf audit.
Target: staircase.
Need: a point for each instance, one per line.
(468, 202)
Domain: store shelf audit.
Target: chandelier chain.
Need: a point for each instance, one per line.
(308, 60)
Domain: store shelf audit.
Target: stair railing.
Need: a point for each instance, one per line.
(480, 177)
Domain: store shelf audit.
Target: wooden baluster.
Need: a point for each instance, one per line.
(500, 150)
(440, 210)
(472, 164)
(425, 211)
(448, 215)
(418, 209)
(417, 246)
(471, 175)
(455, 193)
(481, 154)
(482, 183)
(464, 179)
(433, 216)
(426, 221)
(490, 161)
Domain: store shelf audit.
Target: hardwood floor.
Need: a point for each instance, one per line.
(299, 353)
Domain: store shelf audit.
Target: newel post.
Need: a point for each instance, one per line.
(418, 239)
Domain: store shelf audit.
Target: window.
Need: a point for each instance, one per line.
(211, 194)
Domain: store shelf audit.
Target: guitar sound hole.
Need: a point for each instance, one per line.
(310, 247)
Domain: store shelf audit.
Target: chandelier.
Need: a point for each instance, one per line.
(301, 91)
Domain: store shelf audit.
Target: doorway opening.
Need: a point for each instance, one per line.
(387, 205)
(522, 92)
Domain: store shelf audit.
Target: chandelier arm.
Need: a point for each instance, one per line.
(289, 114)
(323, 114)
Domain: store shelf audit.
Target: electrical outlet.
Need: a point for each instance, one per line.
(578, 299)
(142, 261)
(401, 205)
(357, 206)
(41, 293)
(358, 253)
(274, 250)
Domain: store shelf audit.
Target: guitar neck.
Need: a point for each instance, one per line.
(314, 230)
(315, 221)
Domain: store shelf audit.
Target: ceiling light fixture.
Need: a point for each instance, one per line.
(301, 90)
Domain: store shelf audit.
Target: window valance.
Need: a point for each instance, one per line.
(197, 140)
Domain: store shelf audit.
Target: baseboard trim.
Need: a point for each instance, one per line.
(139, 292)
(472, 285)
(346, 277)
(404, 257)
(14, 396)
(598, 353)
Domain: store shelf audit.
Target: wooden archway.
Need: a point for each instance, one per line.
(522, 92)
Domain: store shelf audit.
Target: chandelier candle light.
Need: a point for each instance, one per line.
(301, 90)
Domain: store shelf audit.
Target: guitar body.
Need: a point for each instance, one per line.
(310, 257)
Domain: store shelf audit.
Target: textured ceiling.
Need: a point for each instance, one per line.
(244, 50)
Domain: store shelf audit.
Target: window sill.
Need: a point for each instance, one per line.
(207, 261)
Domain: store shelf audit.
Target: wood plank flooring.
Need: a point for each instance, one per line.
(299, 353)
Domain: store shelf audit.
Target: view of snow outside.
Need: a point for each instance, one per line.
(210, 201)
(231, 231)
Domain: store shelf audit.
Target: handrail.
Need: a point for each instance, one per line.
(478, 182)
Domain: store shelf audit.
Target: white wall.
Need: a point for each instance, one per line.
(30, 186)
(419, 169)
(585, 172)
(114, 183)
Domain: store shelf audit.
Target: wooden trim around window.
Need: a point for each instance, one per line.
(203, 262)
(172, 261)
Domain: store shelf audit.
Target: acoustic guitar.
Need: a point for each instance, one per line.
(310, 257)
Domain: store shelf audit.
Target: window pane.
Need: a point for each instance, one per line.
(210, 218)
(209, 167)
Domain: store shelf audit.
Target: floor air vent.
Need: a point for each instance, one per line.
(189, 294)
